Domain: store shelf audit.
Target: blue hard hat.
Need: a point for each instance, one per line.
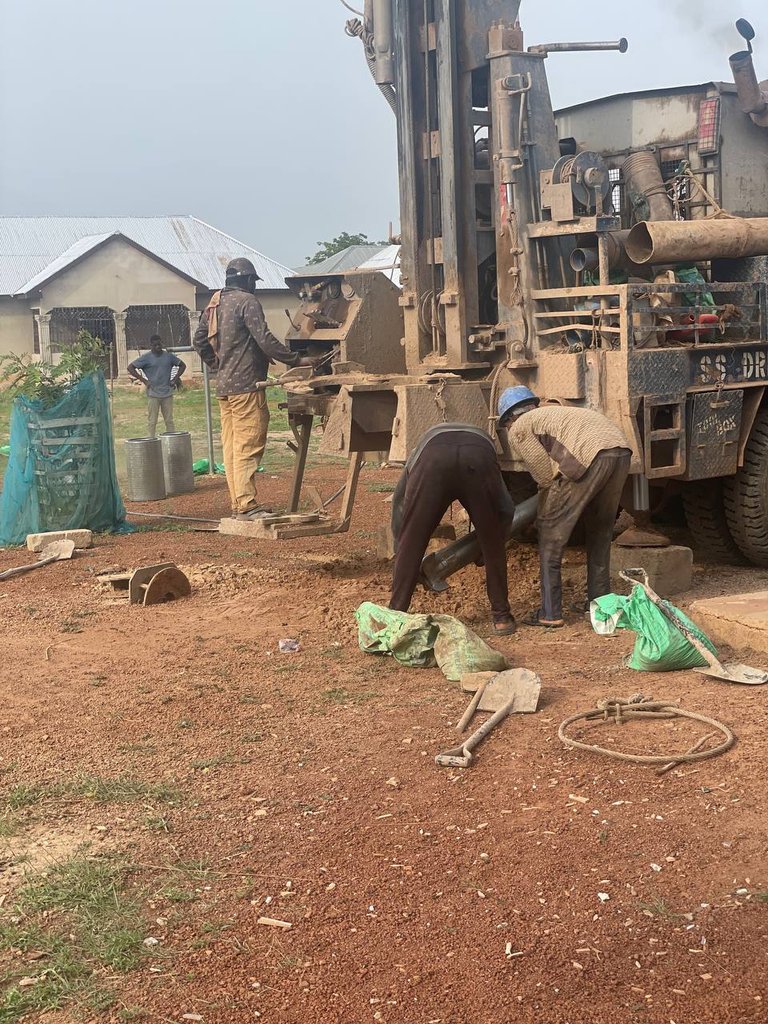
(512, 397)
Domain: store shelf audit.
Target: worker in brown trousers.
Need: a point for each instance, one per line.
(580, 461)
(452, 462)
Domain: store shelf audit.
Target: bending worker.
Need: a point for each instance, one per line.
(580, 461)
(233, 339)
(452, 462)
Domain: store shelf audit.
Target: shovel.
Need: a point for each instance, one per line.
(731, 672)
(515, 690)
(56, 551)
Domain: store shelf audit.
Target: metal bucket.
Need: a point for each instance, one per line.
(177, 462)
(144, 469)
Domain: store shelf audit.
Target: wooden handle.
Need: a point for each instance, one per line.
(466, 718)
(472, 741)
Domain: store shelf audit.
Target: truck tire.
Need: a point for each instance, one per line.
(746, 496)
(704, 505)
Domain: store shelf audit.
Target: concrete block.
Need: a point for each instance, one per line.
(670, 570)
(740, 620)
(82, 538)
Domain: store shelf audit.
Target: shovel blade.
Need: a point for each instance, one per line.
(458, 757)
(735, 672)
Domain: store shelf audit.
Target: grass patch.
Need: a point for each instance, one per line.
(80, 921)
(9, 825)
(382, 488)
(658, 908)
(339, 695)
(92, 787)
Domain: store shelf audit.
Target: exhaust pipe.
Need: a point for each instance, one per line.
(752, 99)
(437, 567)
(642, 175)
(694, 241)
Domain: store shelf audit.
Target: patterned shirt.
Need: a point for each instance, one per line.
(562, 439)
(246, 346)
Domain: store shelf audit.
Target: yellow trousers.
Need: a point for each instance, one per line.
(244, 423)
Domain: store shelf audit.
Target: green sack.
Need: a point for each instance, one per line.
(660, 646)
(423, 641)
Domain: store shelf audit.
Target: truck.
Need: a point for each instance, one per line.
(612, 255)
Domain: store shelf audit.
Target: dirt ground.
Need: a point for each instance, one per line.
(541, 884)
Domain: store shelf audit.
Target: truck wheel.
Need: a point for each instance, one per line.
(746, 496)
(704, 505)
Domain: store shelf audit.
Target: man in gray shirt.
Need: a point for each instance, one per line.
(160, 372)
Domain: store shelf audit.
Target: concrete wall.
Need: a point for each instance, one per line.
(16, 326)
(117, 276)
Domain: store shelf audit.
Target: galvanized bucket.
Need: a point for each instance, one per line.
(177, 462)
(144, 469)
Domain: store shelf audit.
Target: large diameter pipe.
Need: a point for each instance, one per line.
(752, 99)
(642, 175)
(588, 259)
(383, 41)
(690, 241)
(437, 567)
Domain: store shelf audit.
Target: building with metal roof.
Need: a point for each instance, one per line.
(346, 259)
(121, 278)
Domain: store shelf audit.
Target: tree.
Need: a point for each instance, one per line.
(342, 241)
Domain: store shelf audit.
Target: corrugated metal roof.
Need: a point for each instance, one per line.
(29, 245)
(74, 252)
(387, 262)
(347, 259)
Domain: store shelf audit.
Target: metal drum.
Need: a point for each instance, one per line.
(177, 462)
(144, 469)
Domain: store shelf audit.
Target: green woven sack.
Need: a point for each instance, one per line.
(423, 641)
(660, 646)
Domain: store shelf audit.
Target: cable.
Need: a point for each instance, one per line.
(359, 13)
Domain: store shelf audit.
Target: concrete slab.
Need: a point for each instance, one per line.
(278, 528)
(740, 620)
(670, 569)
(81, 538)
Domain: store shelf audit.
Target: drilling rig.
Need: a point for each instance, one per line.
(611, 255)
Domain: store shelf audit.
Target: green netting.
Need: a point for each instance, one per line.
(61, 470)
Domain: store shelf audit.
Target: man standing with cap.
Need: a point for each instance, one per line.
(452, 462)
(234, 340)
(580, 461)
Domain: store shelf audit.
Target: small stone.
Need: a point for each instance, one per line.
(485, 858)
(151, 942)
(393, 782)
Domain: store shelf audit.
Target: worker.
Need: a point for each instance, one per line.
(452, 462)
(233, 339)
(580, 461)
(160, 372)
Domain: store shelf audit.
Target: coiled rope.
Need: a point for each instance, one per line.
(642, 708)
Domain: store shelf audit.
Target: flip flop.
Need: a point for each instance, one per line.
(533, 619)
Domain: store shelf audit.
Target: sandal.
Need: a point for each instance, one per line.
(505, 626)
(534, 619)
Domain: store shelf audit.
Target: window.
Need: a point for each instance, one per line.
(171, 322)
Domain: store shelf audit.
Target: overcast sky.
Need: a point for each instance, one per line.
(259, 115)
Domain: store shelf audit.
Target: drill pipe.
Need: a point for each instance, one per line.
(692, 241)
(438, 566)
(588, 259)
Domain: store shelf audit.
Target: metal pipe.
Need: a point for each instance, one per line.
(642, 175)
(619, 44)
(209, 420)
(691, 241)
(752, 99)
(438, 566)
(382, 41)
(587, 258)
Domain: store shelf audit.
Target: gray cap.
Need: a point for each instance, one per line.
(241, 267)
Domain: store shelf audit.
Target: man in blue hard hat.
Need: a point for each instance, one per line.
(452, 462)
(580, 461)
